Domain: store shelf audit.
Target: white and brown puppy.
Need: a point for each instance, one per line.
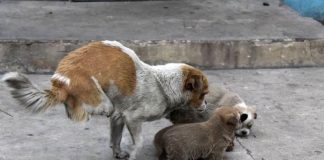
(217, 96)
(108, 78)
(207, 140)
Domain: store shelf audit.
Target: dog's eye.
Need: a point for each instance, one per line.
(249, 126)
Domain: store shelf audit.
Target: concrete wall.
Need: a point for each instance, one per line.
(43, 56)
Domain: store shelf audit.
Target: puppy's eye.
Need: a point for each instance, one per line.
(249, 126)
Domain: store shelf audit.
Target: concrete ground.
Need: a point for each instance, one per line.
(154, 20)
(290, 123)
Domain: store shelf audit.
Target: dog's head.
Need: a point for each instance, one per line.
(245, 127)
(195, 87)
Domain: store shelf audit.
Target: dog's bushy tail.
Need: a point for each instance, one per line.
(30, 96)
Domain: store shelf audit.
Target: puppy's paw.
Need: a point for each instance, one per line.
(230, 147)
(121, 155)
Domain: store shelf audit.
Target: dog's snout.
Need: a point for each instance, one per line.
(244, 133)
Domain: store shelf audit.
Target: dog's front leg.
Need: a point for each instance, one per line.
(135, 132)
(117, 126)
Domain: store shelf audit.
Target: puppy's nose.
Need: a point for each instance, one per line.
(244, 133)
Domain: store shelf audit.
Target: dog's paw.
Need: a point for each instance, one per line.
(121, 155)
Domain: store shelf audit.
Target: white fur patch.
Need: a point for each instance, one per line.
(242, 105)
(61, 78)
(125, 49)
(169, 67)
(244, 109)
(10, 75)
(170, 78)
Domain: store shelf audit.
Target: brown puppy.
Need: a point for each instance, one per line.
(206, 140)
(217, 96)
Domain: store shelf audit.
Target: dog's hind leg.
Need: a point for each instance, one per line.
(117, 126)
(74, 109)
(135, 129)
(105, 107)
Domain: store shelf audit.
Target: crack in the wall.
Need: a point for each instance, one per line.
(249, 152)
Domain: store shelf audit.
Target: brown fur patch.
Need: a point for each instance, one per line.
(58, 89)
(229, 115)
(195, 81)
(74, 109)
(105, 63)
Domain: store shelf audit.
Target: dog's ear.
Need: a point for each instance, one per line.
(232, 120)
(194, 82)
(243, 117)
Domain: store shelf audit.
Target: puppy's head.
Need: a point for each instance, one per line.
(245, 127)
(229, 116)
(195, 87)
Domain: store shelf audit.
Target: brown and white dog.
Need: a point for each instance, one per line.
(105, 77)
(207, 140)
(217, 96)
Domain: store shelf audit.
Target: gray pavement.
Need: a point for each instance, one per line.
(154, 20)
(289, 125)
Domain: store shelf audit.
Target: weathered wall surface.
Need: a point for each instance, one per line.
(43, 56)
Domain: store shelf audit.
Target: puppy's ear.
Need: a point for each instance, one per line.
(253, 110)
(194, 82)
(232, 120)
(243, 117)
(255, 115)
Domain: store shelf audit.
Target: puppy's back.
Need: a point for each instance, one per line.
(220, 96)
(216, 92)
(184, 140)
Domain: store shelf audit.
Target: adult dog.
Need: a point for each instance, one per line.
(108, 78)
